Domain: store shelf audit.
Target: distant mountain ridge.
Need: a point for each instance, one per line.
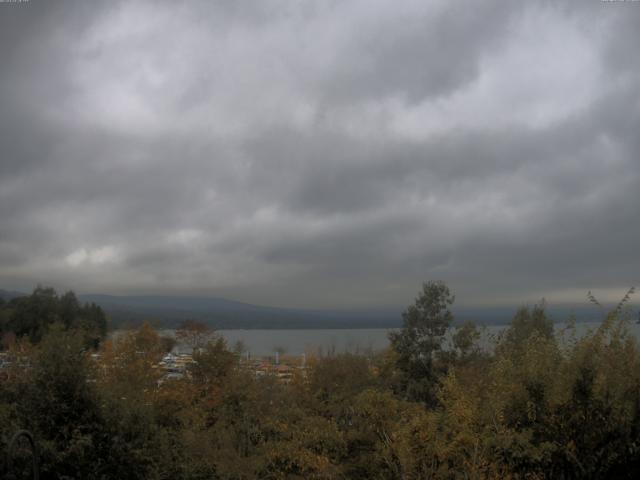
(229, 314)
(168, 311)
(9, 294)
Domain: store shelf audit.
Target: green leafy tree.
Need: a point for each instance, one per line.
(33, 315)
(527, 322)
(465, 340)
(56, 400)
(418, 343)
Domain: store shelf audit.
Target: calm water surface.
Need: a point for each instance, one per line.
(297, 342)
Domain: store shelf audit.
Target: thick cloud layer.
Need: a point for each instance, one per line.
(321, 153)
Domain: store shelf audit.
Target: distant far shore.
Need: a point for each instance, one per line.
(265, 342)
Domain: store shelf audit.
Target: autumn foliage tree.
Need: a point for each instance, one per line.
(194, 334)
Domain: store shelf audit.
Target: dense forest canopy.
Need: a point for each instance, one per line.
(34, 315)
(539, 404)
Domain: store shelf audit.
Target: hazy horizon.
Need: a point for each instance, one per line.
(482, 312)
(321, 154)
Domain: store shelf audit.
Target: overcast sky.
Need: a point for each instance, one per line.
(321, 154)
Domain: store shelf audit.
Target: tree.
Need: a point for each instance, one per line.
(32, 316)
(526, 323)
(239, 347)
(168, 343)
(465, 340)
(69, 309)
(137, 427)
(194, 334)
(333, 380)
(213, 362)
(417, 344)
(93, 322)
(56, 401)
(5, 316)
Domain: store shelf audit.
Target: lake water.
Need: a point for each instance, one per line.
(297, 342)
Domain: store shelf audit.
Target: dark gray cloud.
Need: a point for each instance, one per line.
(321, 154)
